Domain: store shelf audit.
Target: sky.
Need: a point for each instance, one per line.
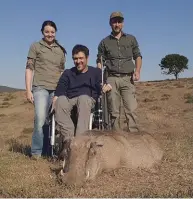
(160, 26)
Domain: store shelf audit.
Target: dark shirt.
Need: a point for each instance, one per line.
(73, 83)
(118, 54)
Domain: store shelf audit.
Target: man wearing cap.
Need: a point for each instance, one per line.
(118, 50)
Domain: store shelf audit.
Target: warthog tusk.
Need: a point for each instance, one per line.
(64, 162)
(62, 172)
(88, 174)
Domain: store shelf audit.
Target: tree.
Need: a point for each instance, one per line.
(173, 64)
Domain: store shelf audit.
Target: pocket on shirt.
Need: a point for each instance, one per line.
(127, 51)
(58, 55)
(57, 52)
(44, 50)
(110, 52)
(50, 56)
(44, 54)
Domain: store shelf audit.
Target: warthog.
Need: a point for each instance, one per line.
(95, 151)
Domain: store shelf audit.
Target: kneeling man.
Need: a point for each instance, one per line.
(80, 86)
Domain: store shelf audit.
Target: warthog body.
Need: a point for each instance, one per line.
(95, 151)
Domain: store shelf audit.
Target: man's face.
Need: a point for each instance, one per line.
(80, 61)
(116, 24)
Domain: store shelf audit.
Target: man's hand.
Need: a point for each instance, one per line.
(136, 76)
(54, 102)
(99, 65)
(106, 88)
(138, 63)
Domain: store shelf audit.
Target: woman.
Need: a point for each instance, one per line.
(45, 63)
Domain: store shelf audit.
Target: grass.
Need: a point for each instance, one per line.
(169, 121)
(188, 97)
(6, 104)
(172, 178)
(17, 146)
(155, 108)
(10, 96)
(27, 131)
(149, 99)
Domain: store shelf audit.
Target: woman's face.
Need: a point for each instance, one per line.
(49, 34)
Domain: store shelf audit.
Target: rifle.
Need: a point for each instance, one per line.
(103, 116)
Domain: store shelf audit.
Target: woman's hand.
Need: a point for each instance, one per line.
(30, 97)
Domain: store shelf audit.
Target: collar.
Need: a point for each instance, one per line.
(122, 34)
(45, 44)
(76, 72)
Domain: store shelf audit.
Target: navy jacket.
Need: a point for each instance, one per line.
(73, 84)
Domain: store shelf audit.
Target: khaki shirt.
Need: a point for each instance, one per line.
(119, 54)
(48, 64)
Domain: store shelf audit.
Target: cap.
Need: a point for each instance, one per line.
(116, 14)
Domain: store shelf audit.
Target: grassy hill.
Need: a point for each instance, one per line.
(165, 110)
(9, 89)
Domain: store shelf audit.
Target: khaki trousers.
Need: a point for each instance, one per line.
(122, 103)
(64, 123)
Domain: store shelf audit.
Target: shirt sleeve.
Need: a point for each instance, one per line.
(32, 52)
(31, 58)
(62, 86)
(135, 49)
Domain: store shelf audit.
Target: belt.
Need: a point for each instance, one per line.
(119, 74)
